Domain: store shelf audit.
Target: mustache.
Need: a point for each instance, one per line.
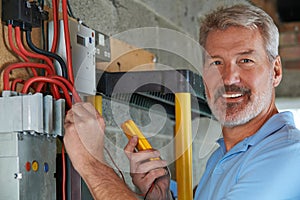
(231, 88)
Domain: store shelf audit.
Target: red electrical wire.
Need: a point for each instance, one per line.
(54, 89)
(17, 51)
(35, 55)
(12, 46)
(69, 86)
(15, 82)
(48, 80)
(39, 87)
(67, 41)
(22, 65)
(64, 171)
(28, 53)
(55, 25)
(69, 69)
(55, 92)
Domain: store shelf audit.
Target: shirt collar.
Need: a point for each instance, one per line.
(276, 122)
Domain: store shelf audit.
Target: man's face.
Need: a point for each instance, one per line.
(238, 75)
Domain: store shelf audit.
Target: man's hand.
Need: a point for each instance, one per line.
(84, 135)
(148, 173)
(83, 139)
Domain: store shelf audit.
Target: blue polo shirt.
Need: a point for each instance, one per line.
(264, 166)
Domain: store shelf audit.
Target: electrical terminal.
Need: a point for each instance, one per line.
(59, 117)
(48, 114)
(31, 114)
(11, 109)
(8, 93)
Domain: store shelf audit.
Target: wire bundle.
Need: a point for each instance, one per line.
(60, 86)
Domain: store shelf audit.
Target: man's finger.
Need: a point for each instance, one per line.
(129, 148)
(80, 110)
(151, 165)
(69, 118)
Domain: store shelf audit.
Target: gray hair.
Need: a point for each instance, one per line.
(244, 15)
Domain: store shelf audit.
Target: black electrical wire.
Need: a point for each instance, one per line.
(47, 53)
(41, 4)
(43, 36)
(70, 12)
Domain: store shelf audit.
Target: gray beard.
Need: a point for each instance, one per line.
(241, 115)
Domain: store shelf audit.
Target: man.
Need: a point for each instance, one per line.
(259, 154)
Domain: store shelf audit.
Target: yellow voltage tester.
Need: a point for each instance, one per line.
(130, 129)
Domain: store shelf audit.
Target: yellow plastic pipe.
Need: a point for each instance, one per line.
(96, 101)
(183, 146)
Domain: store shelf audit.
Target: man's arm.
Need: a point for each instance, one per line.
(83, 140)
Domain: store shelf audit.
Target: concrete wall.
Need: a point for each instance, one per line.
(115, 16)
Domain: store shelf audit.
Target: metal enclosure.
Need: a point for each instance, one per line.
(30, 125)
(28, 166)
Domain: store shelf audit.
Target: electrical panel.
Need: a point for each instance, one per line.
(28, 149)
(31, 125)
(88, 48)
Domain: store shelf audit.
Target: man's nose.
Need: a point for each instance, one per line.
(230, 74)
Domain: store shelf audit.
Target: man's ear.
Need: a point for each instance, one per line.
(277, 74)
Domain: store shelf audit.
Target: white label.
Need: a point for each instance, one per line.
(101, 39)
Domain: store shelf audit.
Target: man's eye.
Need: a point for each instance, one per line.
(246, 61)
(216, 63)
